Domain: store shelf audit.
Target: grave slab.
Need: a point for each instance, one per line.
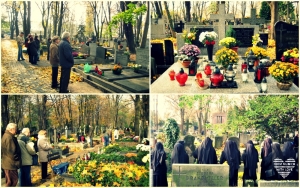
(262, 183)
(126, 74)
(200, 175)
(136, 85)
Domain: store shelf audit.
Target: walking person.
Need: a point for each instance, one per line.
(10, 155)
(205, 153)
(38, 45)
(232, 155)
(44, 146)
(250, 159)
(158, 164)
(66, 61)
(20, 41)
(27, 150)
(54, 61)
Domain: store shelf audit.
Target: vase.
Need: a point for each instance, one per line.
(216, 78)
(181, 77)
(118, 71)
(235, 49)
(284, 86)
(172, 75)
(210, 51)
(186, 63)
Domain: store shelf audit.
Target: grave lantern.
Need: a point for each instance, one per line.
(250, 59)
(264, 85)
(245, 75)
(192, 68)
(229, 74)
(259, 73)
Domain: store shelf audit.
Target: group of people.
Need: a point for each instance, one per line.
(17, 154)
(59, 53)
(206, 154)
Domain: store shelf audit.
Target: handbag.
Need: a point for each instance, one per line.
(35, 160)
(269, 173)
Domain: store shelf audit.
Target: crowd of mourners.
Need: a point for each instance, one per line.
(19, 153)
(206, 154)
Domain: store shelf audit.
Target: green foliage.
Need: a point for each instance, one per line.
(265, 11)
(171, 130)
(230, 32)
(283, 7)
(113, 148)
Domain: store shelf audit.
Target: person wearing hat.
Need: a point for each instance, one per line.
(54, 61)
(20, 41)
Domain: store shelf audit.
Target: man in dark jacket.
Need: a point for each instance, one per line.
(66, 61)
(10, 155)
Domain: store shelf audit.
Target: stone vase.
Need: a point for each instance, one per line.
(210, 49)
(284, 86)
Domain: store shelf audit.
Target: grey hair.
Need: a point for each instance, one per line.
(65, 35)
(11, 126)
(25, 130)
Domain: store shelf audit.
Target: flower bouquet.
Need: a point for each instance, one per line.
(192, 51)
(256, 41)
(208, 37)
(284, 72)
(291, 55)
(188, 37)
(135, 67)
(259, 52)
(226, 56)
(228, 42)
(117, 69)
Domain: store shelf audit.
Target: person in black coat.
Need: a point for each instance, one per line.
(158, 164)
(270, 172)
(49, 41)
(250, 159)
(266, 150)
(37, 41)
(179, 154)
(232, 155)
(205, 153)
(32, 46)
(290, 154)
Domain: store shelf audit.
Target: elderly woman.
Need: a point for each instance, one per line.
(27, 150)
(44, 146)
(54, 61)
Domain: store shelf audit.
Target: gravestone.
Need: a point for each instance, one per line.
(189, 142)
(158, 31)
(236, 140)
(179, 27)
(244, 35)
(200, 175)
(222, 17)
(101, 53)
(244, 138)
(253, 20)
(157, 53)
(85, 49)
(218, 141)
(264, 37)
(287, 37)
(169, 48)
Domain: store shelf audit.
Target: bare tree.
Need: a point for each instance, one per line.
(4, 111)
(274, 16)
(44, 8)
(146, 27)
(188, 11)
(26, 17)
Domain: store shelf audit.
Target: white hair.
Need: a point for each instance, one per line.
(65, 35)
(11, 126)
(25, 130)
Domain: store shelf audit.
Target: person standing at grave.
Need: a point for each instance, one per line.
(179, 155)
(265, 151)
(158, 164)
(88, 42)
(49, 41)
(43, 146)
(38, 43)
(66, 61)
(11, 159)
(205, 153)
(289, 153)
(20, 41)
(270, 172)
(106, 138)
(54, 61)
(232, 155)
(27, 151)
(250, 159)
(32, 46)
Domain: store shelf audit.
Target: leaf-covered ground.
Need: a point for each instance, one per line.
(23, 77)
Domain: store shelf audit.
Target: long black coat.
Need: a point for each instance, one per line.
(32, 47)
(158, 164)
(250, 159)
(205, 153)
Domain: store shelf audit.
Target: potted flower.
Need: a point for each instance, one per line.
(256, 40)
(188, 36)
(117, 69)
(291, 55)
(208, 39)
(190, 52)
(136, 67)
(226, 56)
(259, 52)
(284, 73)
(229, 42)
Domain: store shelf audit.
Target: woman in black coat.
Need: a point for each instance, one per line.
(158, 164)
(232, 155)
(250, 159)
(32, 46)
(265, 151)
(290, 154)
(37, 41)
(270, 172)
(205, 153)
(179, 154)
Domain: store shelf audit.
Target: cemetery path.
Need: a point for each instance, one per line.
(23, 77)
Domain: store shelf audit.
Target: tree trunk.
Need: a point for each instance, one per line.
(28, 24)
(136, 101)
(44, 112)
(170, 19)
(188, 11)
(157, 9)
(61, 15)
(274, 17)
(4, 111)
(146, 27)
(181, 119)
(17, 22)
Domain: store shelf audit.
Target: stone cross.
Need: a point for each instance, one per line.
(253, 20)
(280, 30)
(222, 17)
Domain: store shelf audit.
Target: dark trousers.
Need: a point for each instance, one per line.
(25, 176)
(34, 59)
(44, 166)
(64, 79)
(30, 58)
(233, 181)
(11, 177)
(54, 76)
